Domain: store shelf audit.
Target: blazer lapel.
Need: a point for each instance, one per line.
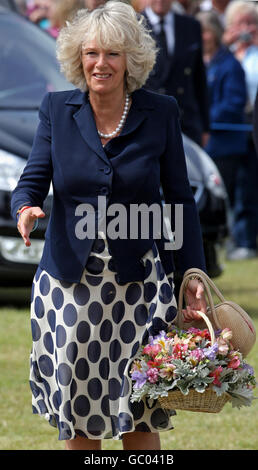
(85, 121)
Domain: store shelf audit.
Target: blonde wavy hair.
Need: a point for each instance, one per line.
(114, 25)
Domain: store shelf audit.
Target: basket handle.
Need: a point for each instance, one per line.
(209, 325)
(207, 282)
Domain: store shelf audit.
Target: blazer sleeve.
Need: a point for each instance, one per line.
(177, 190)
(34, 183)
(233, 88)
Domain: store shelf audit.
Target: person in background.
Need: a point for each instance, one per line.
(218, 6)
(51, 15)
(241, 35)
(227, 100)
(97, 296)
(38, 12)
(179, 70)
(92, 4)
(61, 11)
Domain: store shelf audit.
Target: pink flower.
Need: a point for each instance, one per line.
(234, 363)
(216, 374)
(179, 350)
(197, 355)
(226, 334)
(167, 372)
(223, 347)
(153, 375)
(152, 350)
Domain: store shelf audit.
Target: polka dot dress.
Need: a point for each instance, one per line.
(85, 337)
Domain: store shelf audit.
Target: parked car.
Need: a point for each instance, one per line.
(28, 70)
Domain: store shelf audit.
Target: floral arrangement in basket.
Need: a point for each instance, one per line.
(192, 359)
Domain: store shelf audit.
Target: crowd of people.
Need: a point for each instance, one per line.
(208, 61)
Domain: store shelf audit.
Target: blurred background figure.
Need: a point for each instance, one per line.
(37, 11)
(51, 15)
(139, 5)
(219, 6)
(179, 70)
(227, 100)
(61, 11)
(241, 35)
(92, 4)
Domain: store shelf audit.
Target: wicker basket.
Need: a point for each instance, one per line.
(207, 402)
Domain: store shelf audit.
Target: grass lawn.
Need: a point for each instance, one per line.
(231, 429)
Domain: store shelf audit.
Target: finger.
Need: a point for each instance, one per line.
(200, 291)
(188, 314)
(38, 213)
(26, 239)
(35, 212)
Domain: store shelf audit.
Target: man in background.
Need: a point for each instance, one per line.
(179, 70)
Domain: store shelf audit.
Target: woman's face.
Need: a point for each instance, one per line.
(104, 69)
(209, 41)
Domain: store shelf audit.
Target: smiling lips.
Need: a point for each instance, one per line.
(102, 75)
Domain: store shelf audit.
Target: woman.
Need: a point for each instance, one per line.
(95, 301)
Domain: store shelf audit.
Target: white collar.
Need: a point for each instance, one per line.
(155, 19)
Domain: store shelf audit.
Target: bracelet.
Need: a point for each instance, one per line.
(36, 223)
(18, 213)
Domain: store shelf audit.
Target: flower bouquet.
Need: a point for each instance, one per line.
(197, 370)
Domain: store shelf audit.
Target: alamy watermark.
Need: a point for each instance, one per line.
(92, 221)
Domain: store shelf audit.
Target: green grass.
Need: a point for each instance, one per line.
(231, 429)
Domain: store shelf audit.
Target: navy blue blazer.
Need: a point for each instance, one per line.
(185, 76)
(68, 151)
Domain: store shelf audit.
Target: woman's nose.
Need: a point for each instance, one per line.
(101, 60)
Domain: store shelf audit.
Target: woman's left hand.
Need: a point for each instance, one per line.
(195, 296)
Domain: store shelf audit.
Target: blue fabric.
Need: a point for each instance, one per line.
(68, 151)
(227, 99)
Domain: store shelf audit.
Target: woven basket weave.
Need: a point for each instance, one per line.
(207, 402)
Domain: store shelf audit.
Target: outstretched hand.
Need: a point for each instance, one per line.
(195, 297)
(26, 222)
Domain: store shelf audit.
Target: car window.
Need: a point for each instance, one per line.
(28, 64)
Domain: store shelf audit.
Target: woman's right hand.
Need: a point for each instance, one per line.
(26, 222)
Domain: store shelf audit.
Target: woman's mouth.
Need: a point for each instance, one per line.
(102, 76)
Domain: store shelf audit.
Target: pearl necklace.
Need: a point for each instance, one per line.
(121, 123)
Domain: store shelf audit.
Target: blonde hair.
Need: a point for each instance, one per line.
(237, 7)
(114, 25)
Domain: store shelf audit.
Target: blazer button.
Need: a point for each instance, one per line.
(180, 91)
(107, 170)
(104, 190)
(188, 71)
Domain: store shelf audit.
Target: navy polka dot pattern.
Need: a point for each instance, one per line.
(85, 337)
